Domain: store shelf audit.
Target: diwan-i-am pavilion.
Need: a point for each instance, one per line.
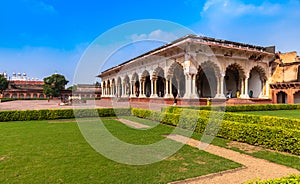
(193, 69)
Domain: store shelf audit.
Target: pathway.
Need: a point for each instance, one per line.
(132, 123)
(254, 167)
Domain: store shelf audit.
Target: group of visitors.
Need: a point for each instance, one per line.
(238, 94)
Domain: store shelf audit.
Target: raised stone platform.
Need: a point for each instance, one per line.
(192, 102)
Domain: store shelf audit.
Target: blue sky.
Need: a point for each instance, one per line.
(42, 37)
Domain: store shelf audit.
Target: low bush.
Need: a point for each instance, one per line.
(60, 114)
(286, 123)
(276, 138)
(237, 108)
(290, 179)
(13, 99)
(264, 120)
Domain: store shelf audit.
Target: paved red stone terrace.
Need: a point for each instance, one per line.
(152, 104)
(54, 104)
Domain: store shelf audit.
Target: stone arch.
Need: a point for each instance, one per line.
(35, 95)
(42, 96)
(113, 88)
(297, 97)
(159, 76)
(146, 86)
(234, 75)
(28, 95)
(108, 88)
(207, 79)
(104, 89)
(7, 95)
(134, 76)
(257, 80)
(172, 67)
(126, 83)
(119, 87)
(136, 84)
(177, 79)
(282, 97)
(145, 73)
(22, 95)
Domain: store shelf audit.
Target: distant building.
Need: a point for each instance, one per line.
(87, 91)
(21, 86)
(285, 82)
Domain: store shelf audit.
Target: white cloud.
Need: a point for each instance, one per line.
(156, 35)
(238, 8)
(260, 23)
(41, 6)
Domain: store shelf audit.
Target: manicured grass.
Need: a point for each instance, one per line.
(288, 160)
(56, 152)
(280, 158)
(280, 113)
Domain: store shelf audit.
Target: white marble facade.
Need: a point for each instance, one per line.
(193, 67)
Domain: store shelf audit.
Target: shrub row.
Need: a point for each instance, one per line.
(239, 108)
(275, 138)
(13, 99)
(242, 118)
(292, 179)
(59, 114)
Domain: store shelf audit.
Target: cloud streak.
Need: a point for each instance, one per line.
(256, 22)
(40, 6)
(238, 8)
(157, 35)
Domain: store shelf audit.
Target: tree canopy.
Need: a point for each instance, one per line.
(54, 84)
(3, 83)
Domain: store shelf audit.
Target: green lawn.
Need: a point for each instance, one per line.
(279, 113)
(56, 152)
(288, 160)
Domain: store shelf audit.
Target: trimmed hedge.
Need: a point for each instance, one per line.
(59, 114)
(292, 179)
(13, 99)
(238, 108)
(286, 123)
(275, 138)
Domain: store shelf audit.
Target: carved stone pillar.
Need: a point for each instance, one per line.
(221, 86)
(194, 91)
(153, 88)
(243, 88)
(190, 86)
(246, 94)
(132, 88)
(168, 89)
(142, 88)
(178, 88)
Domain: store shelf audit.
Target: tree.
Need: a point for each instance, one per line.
(3, 83)
(72, 88)
(54, 84)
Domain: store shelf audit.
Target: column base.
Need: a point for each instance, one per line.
(263, 96)
(168, 96)
(190, 96)
(154, 96)
(220, 96)
(245, 96)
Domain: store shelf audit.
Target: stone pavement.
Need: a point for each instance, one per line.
(255, 168)
(54, 104)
